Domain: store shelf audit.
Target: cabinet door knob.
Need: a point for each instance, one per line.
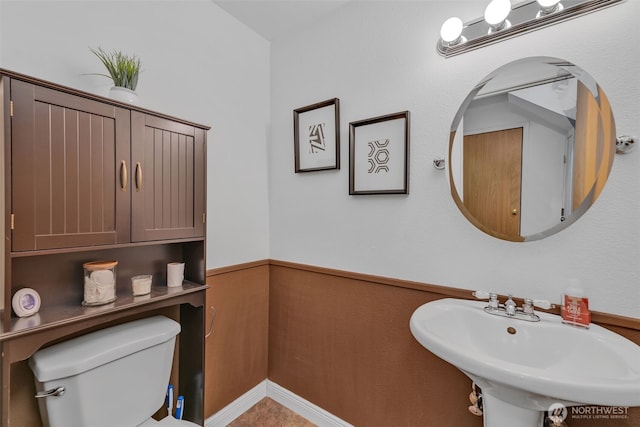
(514, 212)
(138, 176)
(123, 175)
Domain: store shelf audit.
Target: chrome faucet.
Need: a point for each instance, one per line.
(510, 309)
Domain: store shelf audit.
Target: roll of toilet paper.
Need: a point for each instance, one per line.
(175, 274)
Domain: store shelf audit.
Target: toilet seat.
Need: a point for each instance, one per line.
(168, 422)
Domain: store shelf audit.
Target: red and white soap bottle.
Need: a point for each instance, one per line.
(575, 308)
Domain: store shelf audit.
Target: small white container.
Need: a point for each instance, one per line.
(141, 285)
(99, 282)
(175, 274)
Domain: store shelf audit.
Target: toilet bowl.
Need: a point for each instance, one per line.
(117, 376)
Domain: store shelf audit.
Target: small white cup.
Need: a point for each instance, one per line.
(175, 274)
(141, 285)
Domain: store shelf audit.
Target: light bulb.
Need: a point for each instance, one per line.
(451, 30)
(549, 6)
(496, 13)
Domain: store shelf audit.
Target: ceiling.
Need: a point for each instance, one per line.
(274, 18)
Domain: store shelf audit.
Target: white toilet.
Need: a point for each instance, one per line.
(115, 377)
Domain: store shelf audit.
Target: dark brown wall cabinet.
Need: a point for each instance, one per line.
(87, 173)
(87, 178)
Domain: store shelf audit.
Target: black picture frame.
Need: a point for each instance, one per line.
(379, 155)
(316, 136)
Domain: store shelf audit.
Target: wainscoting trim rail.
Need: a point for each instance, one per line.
(290, 400)
(236, 267)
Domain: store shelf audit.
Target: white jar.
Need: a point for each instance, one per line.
(99, 282)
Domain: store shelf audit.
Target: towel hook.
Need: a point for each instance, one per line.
(626, 144)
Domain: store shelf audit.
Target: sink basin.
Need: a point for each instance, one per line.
(525, 367)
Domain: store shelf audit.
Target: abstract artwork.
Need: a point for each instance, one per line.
(316, 133)
(379, 155)
(317, 142)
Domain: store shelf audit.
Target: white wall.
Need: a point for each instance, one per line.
(378, 58)
(199, 64)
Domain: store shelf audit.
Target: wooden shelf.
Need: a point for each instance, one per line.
(52, 317)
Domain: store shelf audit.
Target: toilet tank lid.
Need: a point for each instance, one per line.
(78, 355)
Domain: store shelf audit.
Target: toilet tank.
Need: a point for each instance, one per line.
(117, 376)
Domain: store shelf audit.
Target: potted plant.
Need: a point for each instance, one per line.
(123, 70)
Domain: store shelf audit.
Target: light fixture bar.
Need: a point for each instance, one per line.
(524, 17)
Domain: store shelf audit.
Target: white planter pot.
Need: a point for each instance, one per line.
(123, 94)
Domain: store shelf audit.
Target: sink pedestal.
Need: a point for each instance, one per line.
(498, 413)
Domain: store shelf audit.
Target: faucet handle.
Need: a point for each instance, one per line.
(492, 297)
(530, 303)
(493, 301)
(527, 307)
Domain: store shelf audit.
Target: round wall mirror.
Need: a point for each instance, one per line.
(531, 148)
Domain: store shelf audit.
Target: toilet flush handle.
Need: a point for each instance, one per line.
(58, 391)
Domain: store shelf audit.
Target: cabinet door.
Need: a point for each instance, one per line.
(69, 159)
(168, 160)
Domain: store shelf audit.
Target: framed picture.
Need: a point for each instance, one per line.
(379, 155)
(316, 135)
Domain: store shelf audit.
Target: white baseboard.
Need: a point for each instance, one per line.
(267, 388)
(223, 417)
(303, 407)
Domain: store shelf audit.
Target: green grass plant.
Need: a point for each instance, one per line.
(123, 69)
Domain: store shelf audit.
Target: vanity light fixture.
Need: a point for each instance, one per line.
(502, 20)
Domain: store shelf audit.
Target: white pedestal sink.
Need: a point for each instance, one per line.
(525, 367)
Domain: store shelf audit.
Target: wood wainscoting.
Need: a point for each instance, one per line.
(341, 340)
(236, 350)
